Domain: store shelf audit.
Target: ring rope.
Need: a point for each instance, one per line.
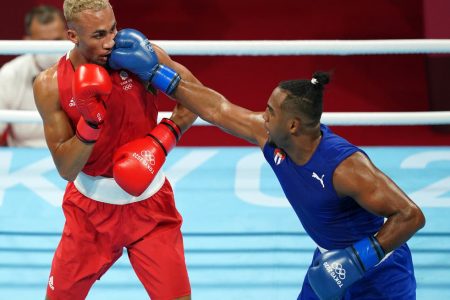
(330, 118)
(310, 47)
(257, 47)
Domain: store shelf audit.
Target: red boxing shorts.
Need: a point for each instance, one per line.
(94, 236)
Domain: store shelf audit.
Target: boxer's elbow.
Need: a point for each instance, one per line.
(65, 170)
(419, 218)
(414, 217)
(67, 174)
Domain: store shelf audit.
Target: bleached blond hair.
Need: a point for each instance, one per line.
(73, 7)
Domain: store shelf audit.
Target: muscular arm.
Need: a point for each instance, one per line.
(216, 109)
(68, 152)
(211, 106)
(183, 117)
(358, 178)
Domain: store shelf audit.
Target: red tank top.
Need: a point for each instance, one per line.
(131, 112)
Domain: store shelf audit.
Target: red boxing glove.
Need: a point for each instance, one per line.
(91, 86)
(136, 163)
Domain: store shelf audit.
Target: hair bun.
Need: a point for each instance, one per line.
(320, 78)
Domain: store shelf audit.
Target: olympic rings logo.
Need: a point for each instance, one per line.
(127, 87)
(338, 270)
(148, 156)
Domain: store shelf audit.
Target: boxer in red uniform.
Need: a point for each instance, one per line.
(100, 125)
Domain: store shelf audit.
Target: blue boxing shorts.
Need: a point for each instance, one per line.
(393, 278)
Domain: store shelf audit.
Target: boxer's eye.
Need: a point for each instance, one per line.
(99, 34)
(113, 28)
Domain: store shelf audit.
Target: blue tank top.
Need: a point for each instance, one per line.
(332, 222)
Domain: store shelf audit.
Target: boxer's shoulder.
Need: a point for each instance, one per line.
(48, 76)
(46, 83)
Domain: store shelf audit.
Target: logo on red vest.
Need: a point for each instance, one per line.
(278, 156)
(72, 103)
(123, 75)
(127, 82)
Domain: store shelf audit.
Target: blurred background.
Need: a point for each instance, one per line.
(360, 83)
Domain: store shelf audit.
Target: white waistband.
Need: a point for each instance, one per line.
(323, 250)
(104, 189)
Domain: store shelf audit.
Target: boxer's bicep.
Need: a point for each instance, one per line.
(358, 178)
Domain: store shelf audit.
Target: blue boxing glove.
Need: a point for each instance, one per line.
(134, 53)
(334, 271)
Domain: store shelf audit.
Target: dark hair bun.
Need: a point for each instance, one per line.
(322, 78)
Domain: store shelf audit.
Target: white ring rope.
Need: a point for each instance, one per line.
(304, 47)
(257, 47)
(330, 118)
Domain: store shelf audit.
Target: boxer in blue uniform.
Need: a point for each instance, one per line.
(335, 222)
(358, 217)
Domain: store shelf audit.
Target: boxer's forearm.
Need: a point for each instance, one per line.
(202, 101)
(400, 227)
(216, 109)
(70, 157)
(183, 117)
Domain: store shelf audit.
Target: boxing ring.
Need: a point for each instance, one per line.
(242, 239)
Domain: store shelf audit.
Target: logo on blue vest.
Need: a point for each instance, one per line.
(314, 175)
(278, 156)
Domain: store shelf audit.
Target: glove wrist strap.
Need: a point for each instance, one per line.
(166, 134)
(176, 130)
(369, 252)
(86, 132)
(165, 79)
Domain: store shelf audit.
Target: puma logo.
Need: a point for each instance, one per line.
(314, 175)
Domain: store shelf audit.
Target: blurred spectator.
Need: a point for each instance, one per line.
(42, 22)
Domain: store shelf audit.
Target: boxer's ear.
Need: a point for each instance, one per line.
(73, 36)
